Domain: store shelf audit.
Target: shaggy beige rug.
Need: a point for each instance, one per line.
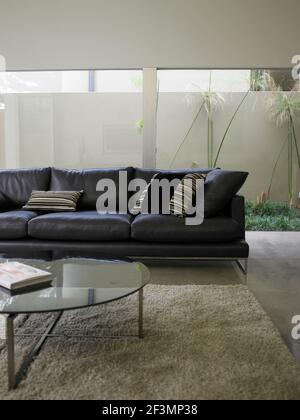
(201, 342)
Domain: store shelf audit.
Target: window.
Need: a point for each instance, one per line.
(203, 80)
(193, 118)
(223, 118)
(67, 119)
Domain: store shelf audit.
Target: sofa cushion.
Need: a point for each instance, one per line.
(13, 224)
(169, 228)
(16, 186)
(147, 174)
(170, 175)
(80, 226)
(143, 204)
(86, 180)
(53, 201)
(220, 187)
(184, 199)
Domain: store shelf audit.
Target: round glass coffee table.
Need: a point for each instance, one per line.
(75, 283)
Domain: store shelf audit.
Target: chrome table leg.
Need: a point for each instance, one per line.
(14, 377)
(10, 344)
(141, 315)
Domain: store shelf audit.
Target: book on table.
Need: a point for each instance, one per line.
(15, 275)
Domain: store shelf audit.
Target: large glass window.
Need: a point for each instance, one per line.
(71, 118)
(234, 119)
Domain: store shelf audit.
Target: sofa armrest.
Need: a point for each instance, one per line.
(237, 210)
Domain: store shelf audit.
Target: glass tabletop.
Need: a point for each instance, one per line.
(76, 283)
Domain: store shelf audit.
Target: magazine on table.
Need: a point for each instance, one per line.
(15, 276)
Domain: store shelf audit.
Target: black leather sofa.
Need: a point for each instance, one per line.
(85, 233)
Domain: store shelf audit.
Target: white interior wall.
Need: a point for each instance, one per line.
(90, 34)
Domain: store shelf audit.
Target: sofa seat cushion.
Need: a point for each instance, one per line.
(81, 226)
(169, 228)
(14, 224)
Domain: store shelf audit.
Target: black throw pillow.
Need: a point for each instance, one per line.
(220, 187)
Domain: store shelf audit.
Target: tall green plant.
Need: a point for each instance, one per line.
(209, 102)
(228, 128)
(285, 109)
(259, 80)
(198, 112)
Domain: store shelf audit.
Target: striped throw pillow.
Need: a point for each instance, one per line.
(138, 208)
(184, 194)
(53, 201)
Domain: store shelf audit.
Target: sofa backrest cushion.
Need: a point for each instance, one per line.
(86, 180)
(16, 185)
(147, 174)
(220, 188)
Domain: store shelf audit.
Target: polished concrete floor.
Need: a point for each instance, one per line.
(273, 277)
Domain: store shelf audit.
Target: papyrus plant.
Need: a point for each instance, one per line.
(284, 109)
(210, 101)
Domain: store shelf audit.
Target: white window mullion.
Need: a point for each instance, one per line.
(149, 116)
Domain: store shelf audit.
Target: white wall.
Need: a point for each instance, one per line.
(88, 34)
